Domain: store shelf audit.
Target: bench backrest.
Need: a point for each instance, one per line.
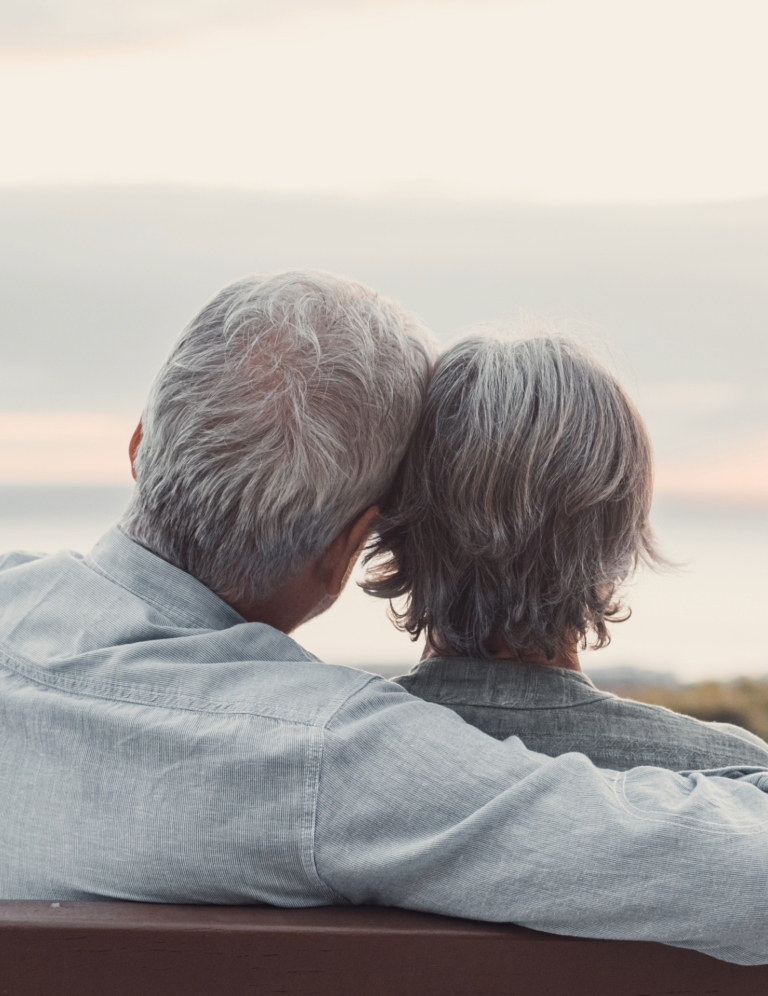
(141, 949)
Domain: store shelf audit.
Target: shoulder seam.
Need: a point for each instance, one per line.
(107, 692)
(335, 896)
(323, 730)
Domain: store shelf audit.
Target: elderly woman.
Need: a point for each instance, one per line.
(521, 508)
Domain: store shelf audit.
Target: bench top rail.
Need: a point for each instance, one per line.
(144, 949)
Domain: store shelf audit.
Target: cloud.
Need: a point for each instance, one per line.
(65, 447)
(734, 474)
(28, 24)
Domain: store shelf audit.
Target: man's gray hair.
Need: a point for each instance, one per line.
(281, 413)
(523, 501)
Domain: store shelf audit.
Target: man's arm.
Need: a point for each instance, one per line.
(418, 809)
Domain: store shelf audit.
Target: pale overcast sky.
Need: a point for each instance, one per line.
(514, 100)
(545, 100)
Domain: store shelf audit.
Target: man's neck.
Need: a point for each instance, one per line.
(287, 607)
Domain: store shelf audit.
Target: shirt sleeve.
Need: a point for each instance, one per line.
(417, 809)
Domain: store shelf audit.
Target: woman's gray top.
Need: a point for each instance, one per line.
(554, 711)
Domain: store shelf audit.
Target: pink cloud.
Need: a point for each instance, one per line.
(92, 448)
(736, 474)
(65, 448)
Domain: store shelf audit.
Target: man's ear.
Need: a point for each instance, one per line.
(133, 447)
(341, 556)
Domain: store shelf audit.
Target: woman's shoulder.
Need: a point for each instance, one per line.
(739, 731)
(709, 744)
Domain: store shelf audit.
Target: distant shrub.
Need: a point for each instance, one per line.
(743, 702)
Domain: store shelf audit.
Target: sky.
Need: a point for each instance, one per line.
(564, 156)
(560, 101)
(486, 103)
(96, 281)
(91, 448)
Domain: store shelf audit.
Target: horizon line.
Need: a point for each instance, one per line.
(400, 194)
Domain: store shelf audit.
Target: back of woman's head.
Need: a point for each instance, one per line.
(522, 503)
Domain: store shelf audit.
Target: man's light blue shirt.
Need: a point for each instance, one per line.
(155, 746)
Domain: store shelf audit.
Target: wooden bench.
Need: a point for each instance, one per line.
(141, 949)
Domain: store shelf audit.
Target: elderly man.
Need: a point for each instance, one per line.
(164, 739)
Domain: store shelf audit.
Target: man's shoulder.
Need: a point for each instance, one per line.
(230, 675)
(72, 627)
(15, 558)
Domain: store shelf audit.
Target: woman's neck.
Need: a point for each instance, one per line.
(566, 657)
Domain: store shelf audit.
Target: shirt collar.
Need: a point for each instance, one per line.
(467, 681)
(154, 580)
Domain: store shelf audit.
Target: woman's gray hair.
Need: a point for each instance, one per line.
(281, 413)
(522, 503)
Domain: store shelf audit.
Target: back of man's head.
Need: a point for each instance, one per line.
(281, 413)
